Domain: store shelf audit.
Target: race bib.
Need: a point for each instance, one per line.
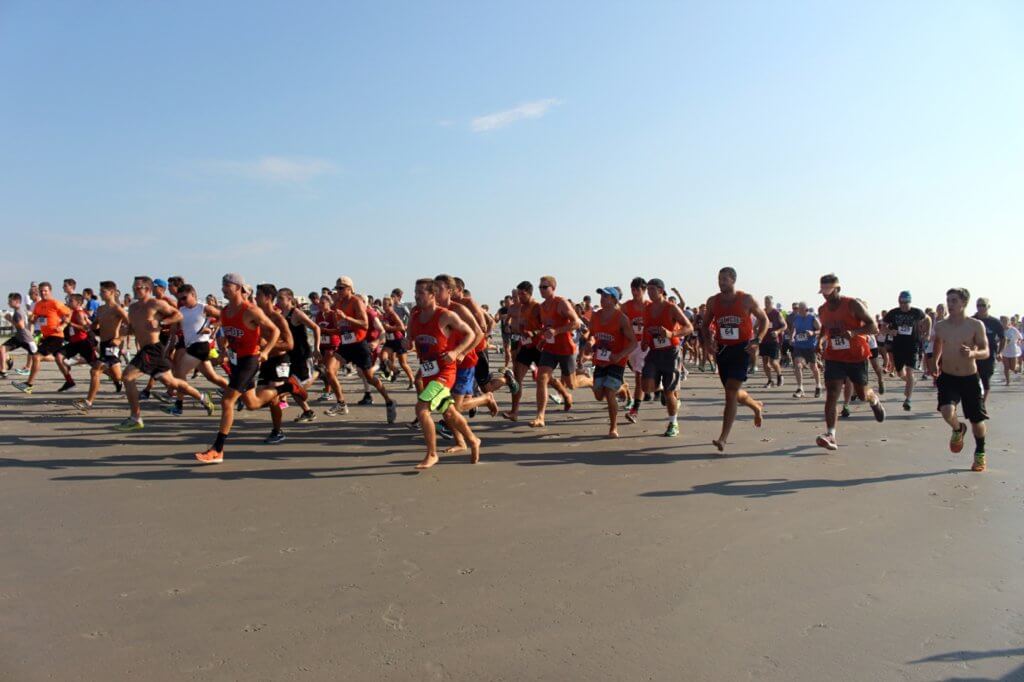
(283, 370)
(603, 355)
(905, 330)
(516, 338)
(729, 333)
(428, 368)
(801, 336)
(348, 337)
(549, 336)
(662, 342)
(232, 357)
(840, 343)
(111, 351)
(389, 337)
(638, 327)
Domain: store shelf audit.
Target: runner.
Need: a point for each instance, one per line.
(353, 323)
(53, 317)
(431, 331)
(1011, 349)
(846, 324)
(301, 355)
(252, 337)
(908, 325)
(803, 329)
(148, 318)
(929, 348)
(21, 338)
(394, 348)
(769, 349)
(665, 326)
(996, 342)
(487, 382)
(109, 321)
(329, 361)
(506, 331)
(526, 324)
(732, 339)
(275, 376)
(635, 309)
(613, 342)
(194, 352)
(965, 341)
(558, 322)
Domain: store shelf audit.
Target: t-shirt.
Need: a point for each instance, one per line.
(903, 326)
(91, 306)
(25, 333)
(403, 312)
(994, 332)
(1013, 349)
(506, 328)
(50, 312)
(775, 325)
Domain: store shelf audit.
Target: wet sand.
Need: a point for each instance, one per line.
(562, 556)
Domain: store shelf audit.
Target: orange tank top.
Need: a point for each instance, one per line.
(635, 312)
(244, 342)
(663, 318)
(431, 343)
(608, 338)
(833, 323)
(560, 343)
(529, 324)
(731, 322)
(350, 334)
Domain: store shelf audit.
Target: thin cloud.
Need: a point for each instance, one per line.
(500, 119)
(273, 169)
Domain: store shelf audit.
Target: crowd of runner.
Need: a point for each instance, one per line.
(263, 347)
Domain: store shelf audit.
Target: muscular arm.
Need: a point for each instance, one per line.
(574, 319)
(453, 322)
(631, 343)
(982, 350)
(359, 320)
(309, 323)
(709, 317)
(869, 325)
(465, 314)
(762, 318)
(270, 331)
(169, 315)
(685, 326)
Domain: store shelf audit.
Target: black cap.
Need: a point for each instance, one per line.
(656, 283)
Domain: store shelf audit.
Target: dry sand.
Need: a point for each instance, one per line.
(562, 556)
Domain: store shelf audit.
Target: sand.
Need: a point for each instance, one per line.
(562, 556)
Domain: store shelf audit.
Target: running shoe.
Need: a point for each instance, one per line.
(879, 411)
(827, 441)
(3, 374)
(118, 387)
(144, 394)
(22, 386)
(781, 381)
(22, 372)
(367, 399)
(472, 412)
(306, 417)
(165, 397)
(672, 431)
(555, 398)
(881, 389)
(81, 405)
(510, 381)
(798, 393)
(130, 424)
(173, 410)
(906, 405)
(769, 384)
(414, 425)
(845, 412)
(211, 456)
(274, 438)
(336, 409)
(324, 397)
(979, 462)
(207, 402)
(817, 391)
(956, 441)
(68, 385)
(632, 416)
(392, 411)
(444, 431)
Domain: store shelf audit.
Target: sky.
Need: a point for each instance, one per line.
(296, 142)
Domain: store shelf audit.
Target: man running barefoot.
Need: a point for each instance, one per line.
(961, 341)
(301, 355)
(251, 337)
(732, 340)
(613, 341)
(148, 317)
(665, 326)
(846, 325)
(111, 318)
(908, 325)
(803, 328)
(54, 316)
(432, 331)
(558, 323)
(526, 324)
(635, 309)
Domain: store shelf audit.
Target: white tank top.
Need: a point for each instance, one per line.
(193, 324)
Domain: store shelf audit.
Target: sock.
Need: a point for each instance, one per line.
(979, 446)
(832, 431)
(180, 404)
(218, 444)
(274, 431)
(874, 399)
(673, 418)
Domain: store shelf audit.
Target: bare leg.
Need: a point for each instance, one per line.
(543, 378)
(520, 371)
(131, 392)
(429, 435)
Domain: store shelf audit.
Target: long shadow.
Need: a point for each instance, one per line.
(199, 472)
(958, 656)
(770, 487)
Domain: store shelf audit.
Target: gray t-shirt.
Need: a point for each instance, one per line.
(25, 333)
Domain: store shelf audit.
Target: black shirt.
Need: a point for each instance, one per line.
(994, 332)
(903, 326)
(506, 328)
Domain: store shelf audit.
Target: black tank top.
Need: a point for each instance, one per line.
(300, 340)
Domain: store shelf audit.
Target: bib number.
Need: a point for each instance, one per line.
(348, 337)
(111, 351)
(283, 370)
(603, 355)
(801, 336)
(516, 338)
(729, 333)
(662, 342)
(638, 327)
(389, 337)
(429, 368)
(232, 357)
(840, 343)
(549, 336)
(906, 330)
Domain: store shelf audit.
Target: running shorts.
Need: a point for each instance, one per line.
(274, 371)
(857, 372)
(567, 363)
(660, 366)
(964, 390)
(151, 361)
(243, 373)
(437, 396)
(610, 377)
(357, 354)
(733, 362)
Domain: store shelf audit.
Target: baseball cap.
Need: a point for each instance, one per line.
(234, 278)
(905, 296)
(160, 283)
(345, 281)
(829, 281)
(656, 283)
(610, 291)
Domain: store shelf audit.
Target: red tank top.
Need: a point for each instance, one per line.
(731, 322)
(431, 344)
(529, 323)
(560, 343)
(635, 312)
(372, 334)
(833, 322)
(391, 318)
(608, 338)
(243, 341)
(350, 334)
(78, 317)
(663, 318)
(325, 320)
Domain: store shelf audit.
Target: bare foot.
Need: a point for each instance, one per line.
(613, 433)
(537, 423)
(474, 447)
(759, 415)
(492, 405)
(720, 444)
(454, 449)
(511, 416)
(567, 405)
(428, 461)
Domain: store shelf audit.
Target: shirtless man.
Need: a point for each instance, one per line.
(432, 332)
(111, 319)
(148, 317)
(961, 341)
(732, 339)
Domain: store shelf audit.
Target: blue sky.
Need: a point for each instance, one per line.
(296, 142)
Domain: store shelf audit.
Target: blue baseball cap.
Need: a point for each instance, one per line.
(160, 283)
(611, 291)
(905, 296)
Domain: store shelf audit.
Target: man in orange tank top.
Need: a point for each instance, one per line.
(634, 310)
(526, 324)
(487, 382)
(431, 330)
(612, 341)
(665, 326)
(731, 338)
(845, 326)
(557, 349)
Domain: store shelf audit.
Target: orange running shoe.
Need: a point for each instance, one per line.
(979, 462)
(956, 441)
(298, 390)
(211, 456)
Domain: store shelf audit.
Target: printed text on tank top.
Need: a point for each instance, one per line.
(734, 322)
(529, 323)
(836, 321)
(635, 312)
(242, 341)
(803, 330)
(660, 315)
(431, 344)
(350, 334)
(609, 341)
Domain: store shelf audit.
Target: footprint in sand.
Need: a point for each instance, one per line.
(95, 634)
(174, 592)
(253, 627)
(466, 571)
(288, 550)
(411, 570)
(393, 617)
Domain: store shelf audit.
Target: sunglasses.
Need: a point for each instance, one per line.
(545, 286)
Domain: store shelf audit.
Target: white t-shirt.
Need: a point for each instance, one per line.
(1012, 348)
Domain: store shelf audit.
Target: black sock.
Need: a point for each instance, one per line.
(180, 404)
(218, 444)
(979, 445)
(286, 388)
(274, 431)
